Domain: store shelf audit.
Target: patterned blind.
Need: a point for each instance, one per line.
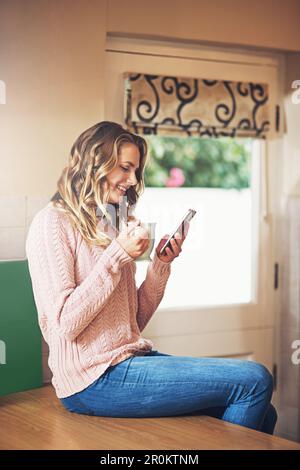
(166, 105)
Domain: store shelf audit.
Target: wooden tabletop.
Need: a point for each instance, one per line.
(36, 419)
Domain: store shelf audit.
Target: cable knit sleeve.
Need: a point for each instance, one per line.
(152, 290)
(50, 249)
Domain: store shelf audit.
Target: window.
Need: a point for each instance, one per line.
(213, 176)
(220, 298)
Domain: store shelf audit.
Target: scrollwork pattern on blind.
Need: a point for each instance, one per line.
(156, 104)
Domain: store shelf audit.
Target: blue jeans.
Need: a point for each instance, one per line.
(159, 384)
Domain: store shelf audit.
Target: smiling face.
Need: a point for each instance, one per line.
(123, 176)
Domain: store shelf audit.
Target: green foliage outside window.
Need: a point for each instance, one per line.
(194, 162)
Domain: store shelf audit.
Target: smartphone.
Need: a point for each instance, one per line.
(180, 229)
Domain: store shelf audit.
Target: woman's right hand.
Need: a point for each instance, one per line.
(134, 238)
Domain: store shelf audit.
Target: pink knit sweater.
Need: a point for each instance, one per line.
(90, 311)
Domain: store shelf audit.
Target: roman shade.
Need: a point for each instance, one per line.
(167, 105)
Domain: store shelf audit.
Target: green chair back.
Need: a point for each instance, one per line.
(20, 337)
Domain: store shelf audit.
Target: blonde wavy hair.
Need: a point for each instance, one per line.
(80, 189)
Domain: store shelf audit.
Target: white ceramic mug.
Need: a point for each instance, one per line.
(150, 227)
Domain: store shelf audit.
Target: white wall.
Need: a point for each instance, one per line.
(260, 23)
(51, 60)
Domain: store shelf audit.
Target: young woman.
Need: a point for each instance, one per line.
(82, 264)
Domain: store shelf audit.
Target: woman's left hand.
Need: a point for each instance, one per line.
(168, 254)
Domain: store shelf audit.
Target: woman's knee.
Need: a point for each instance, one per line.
(261, 375)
